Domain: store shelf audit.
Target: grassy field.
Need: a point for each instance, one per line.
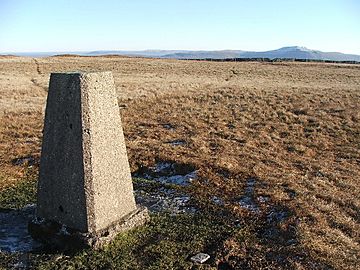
(284, 135)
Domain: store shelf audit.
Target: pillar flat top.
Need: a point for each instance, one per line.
(80, 72)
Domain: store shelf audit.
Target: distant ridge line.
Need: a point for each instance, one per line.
(256, 59)
(260, 59)
(291, 52)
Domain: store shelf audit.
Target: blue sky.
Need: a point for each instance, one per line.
(74, 25)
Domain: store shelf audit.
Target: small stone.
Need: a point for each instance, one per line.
(200, 258)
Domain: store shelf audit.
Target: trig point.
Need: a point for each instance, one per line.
(85, 192)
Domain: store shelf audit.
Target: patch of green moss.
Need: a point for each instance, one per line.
(18, 196)
(166, 242)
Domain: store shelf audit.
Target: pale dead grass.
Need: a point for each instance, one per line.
(302, 142)
(20, 137)
(292, 126)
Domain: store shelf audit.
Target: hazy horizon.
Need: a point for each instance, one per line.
(152, 49)
(77, 26)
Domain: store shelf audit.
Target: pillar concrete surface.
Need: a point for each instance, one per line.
(85, 182)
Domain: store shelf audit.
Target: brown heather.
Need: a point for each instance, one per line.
(294, 127)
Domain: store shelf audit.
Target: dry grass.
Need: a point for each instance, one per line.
(20, 140)
(294, 127)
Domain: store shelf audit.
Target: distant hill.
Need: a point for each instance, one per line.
(145, 53)
(204, 54)
(176, 54)
(294, 52)
(302, 53)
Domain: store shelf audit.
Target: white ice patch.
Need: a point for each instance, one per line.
(164, 200)
(246, 201)
(162, 166)
(14, 236)
(181, 180)
(168, 173)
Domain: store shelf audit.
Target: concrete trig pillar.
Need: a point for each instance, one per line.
(85, 182)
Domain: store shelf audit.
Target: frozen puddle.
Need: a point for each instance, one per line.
(247, 200)
(14, 236)
(164, 196)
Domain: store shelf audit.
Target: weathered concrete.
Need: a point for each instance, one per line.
(85, 181)
(59, 236)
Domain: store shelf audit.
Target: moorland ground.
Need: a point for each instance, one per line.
(293, 128)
